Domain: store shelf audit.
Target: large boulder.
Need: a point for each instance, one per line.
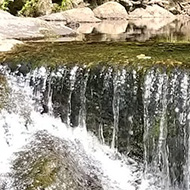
(80, 15)
(30, 28)
(154, 11)
(111, 10)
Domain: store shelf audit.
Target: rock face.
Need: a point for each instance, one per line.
(48, 162)
(30, 28)
(154, 11)
(80, 15)
(111, 10)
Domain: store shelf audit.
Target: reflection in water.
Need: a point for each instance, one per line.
(136, 30)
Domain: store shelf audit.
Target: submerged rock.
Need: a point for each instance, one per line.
(49, 162)
(111, 10)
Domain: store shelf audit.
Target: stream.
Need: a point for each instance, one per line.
(97, 127)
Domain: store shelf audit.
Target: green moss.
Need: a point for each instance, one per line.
(90, 54)
(4, 91)
(39, 173)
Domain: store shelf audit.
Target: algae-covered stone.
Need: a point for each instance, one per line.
(4, 91)
(48, 163)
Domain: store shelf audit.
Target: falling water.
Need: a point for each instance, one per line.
(126, 127)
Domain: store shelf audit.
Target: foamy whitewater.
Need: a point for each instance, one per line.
(20, 119)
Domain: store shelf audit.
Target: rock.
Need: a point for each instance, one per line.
(8, 44)
(112, 27)
(54, 17)
(76, 3)
(111, 10)
(30, 28)
(85, 15)
(5, 15)
(153, 25)
(44, 7)
(154, 11)
(51, 163)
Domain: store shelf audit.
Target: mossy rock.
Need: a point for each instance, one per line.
(47, 163)
(4, 91)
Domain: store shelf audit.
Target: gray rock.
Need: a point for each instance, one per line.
(54, 17)
(30, 28)
(111, 10)
(84, 15)
(154, 11)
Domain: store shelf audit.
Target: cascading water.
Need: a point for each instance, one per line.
(135, 114)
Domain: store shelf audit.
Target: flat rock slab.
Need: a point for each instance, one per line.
(82, 15)
(111, 10)
(12, 27)
(54, 17)
(154, 11)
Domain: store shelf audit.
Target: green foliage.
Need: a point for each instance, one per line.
(29, 8)
(5, 4)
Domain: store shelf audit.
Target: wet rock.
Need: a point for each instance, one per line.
(30, 28)
(154, 11)
(80, 15)
(111, 10)
(49, 162)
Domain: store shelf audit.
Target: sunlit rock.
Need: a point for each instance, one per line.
(80, 15)
(154, 11)
(111, 10)
(8, 44)
(152, 24)
(30, 28)
(54, 17)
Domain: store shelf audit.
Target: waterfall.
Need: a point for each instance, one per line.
(119, 128)
(22, 120)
